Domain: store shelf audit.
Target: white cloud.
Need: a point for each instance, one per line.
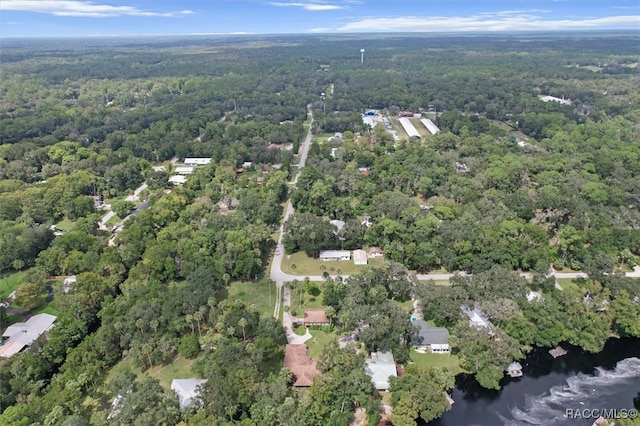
(82, 8)
(494, 22)
(313, 7)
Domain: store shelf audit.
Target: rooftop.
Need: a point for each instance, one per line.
(297, 360)
(428, 335)
(315, 316)
(22, 334)
(380, 367)
(476, 317)
(187, 390)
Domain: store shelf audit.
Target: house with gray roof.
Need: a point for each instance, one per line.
(22, 334)
(431, 339)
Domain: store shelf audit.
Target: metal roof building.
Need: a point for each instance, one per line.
(23, 334)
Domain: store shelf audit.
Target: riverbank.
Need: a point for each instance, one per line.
(579, 380)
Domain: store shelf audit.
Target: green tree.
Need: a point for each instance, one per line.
(28, 296)
(189, 346)
(420, 394)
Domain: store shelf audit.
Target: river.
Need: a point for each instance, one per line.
(577, 381)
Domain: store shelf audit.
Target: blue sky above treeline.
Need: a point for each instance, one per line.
(64, 18)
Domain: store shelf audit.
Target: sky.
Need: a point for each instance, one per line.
(72, 18)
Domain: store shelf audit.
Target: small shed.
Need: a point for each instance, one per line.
(359, 257)
(375, 252)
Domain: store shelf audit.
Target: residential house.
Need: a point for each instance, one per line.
(431, 339)
(381, 366)
(375, 252)
(188, 390)
(534, 295)
(22, 334)
(339, 224)
(178, 180)
(476, 317)
(315, 316)
(359, 257)
(196, 161)
(335, 255)
(185, 170)
(296, 360)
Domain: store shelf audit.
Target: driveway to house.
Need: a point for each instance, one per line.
(137, 192)
(276, 273)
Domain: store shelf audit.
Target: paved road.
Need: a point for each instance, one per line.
(444, 277)
(137, 192)
(276, 273)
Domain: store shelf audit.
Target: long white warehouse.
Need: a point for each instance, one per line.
(409, 128)
(430, 125)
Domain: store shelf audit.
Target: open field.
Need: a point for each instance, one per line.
(301, 264)
(262, 294)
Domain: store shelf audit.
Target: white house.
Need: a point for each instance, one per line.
(339, 224)
(185, 170)
(534, 295)
(476, 317)
(561, 101)
(335, 255)
(187, 390)
(178, 179)
(196, 161)
(22, 334)
(380, 367)
(359, 257)
(68, 282)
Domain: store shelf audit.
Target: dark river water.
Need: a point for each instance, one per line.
(577, 381)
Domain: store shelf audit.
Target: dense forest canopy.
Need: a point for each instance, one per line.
(88, 121)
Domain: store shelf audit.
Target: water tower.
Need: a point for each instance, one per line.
(361, 56)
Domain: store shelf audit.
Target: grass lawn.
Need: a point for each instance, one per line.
(46, 308)
(321, 137)
(180, 369)
(567, 283)
(66, 224)
(114, 219)
(301, 300)
(257, 293)
(429, 360)
(300, 330)
(318, 342)
(406, 306)
(9, 282)
(301, 264)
